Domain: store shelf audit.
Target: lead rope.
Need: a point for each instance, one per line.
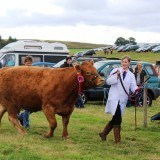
(80, 82)
(137, 95)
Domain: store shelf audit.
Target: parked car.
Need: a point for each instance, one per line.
(156, 49)
(130, 48)
(104, 68)
(150, 47)
(80, 60)
(43, 64)
(120, 48)
(90, 52)
(79, 54)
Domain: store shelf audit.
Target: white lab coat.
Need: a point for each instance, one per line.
(116, 93)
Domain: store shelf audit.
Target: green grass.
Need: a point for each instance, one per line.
(148, 56)
(79, 45)
(83, 143)
(84, 126)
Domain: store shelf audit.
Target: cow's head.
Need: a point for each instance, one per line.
(90, 74)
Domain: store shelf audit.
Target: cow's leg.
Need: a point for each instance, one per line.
(13, 118)
(50, 115)
(2, 111)
(65, 120)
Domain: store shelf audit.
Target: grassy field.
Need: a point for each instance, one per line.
(147, 56)
(83, 143)
(85, 124)
(79, 45)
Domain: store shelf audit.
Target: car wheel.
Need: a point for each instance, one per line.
(84, 98)
(149, 100)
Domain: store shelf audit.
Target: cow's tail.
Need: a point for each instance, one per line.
(2, 111)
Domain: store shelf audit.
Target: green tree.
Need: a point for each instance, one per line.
(123, 41)
(5, 42)
(120, 41)
(132, 40)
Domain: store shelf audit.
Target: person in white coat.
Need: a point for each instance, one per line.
(117, 97)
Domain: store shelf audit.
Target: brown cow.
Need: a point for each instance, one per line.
(54, 91)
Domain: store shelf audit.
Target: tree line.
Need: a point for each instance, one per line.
(123, 41)
(4, 42)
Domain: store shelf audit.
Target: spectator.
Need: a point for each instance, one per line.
(111, 50)
(67, 63)
(139, 74)
(79, 103)
(24, 115)
(10, 60)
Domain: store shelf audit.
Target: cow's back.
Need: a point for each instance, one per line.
(30, 87)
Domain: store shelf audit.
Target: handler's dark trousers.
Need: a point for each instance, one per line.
(115, 124)
(117, 118)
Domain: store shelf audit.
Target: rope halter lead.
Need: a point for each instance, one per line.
(80, 82)
(81, 79)
(136, 94)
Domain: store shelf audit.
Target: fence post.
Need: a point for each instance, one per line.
(145, 105)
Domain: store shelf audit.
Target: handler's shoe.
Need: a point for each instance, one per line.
(105, 132)
(117, 135)
(103, 137)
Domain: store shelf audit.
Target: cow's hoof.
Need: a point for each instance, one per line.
(48, 135)
(65, 137)
(23, 133)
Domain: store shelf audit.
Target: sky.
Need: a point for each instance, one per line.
(90, 21)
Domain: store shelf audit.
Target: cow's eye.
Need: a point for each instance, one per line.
(88, 73)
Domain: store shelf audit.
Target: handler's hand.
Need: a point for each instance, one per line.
(118, 73)
(138, 90)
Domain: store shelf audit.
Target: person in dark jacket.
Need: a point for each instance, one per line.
(139, 74)
(67, 63)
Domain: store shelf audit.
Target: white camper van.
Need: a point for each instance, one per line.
(14, 53)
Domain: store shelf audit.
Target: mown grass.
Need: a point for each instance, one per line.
(84, 126)
(147, 56)
(83, 143)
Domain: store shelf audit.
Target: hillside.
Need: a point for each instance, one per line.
(79, 45)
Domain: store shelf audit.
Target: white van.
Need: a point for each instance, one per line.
(14, 53)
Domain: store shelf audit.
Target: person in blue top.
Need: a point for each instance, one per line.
(24, 115)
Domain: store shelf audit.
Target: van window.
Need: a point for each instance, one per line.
(53, 59)
(32, 47)
(8, 60)
(36, 58)
(58, 48)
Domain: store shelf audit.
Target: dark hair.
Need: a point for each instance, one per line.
(67, 58)
(28, 58)
(126, 57)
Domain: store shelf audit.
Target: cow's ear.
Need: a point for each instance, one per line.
(92, 62)
(77, 67)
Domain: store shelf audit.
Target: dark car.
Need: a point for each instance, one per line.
(90, 52)
(104, 68)
(81, 59)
